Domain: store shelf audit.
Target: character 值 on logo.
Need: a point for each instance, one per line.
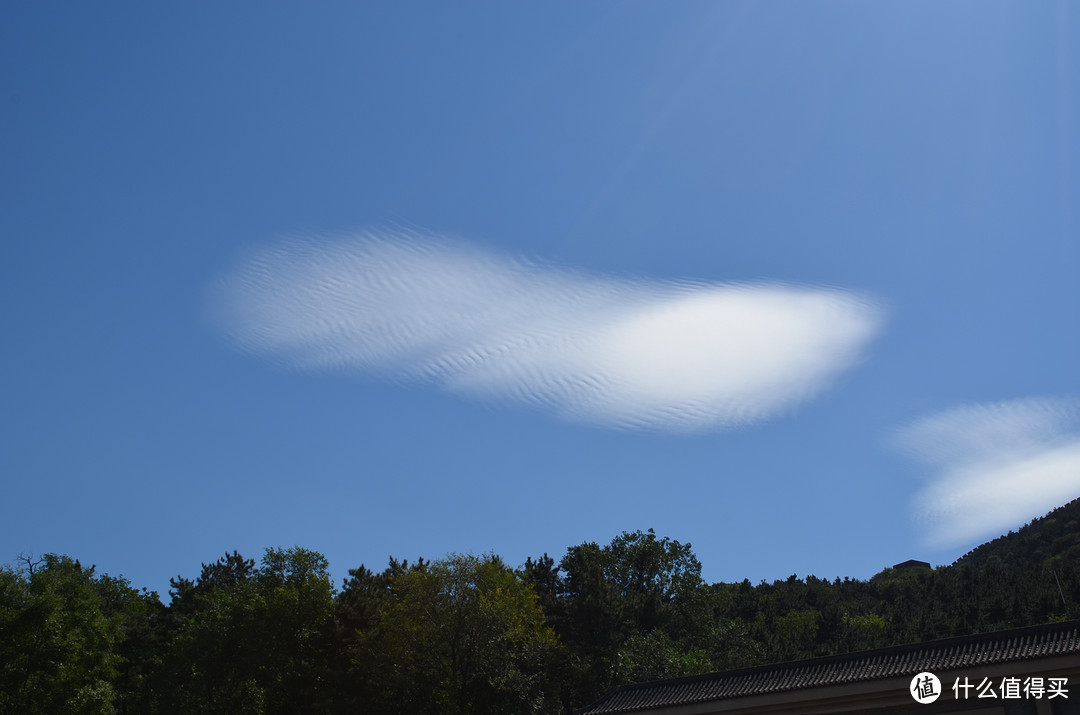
(925, 688)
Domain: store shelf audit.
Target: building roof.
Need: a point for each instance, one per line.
(1054, 639)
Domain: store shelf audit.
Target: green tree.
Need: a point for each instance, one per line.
(609, 594)
(863, 632)
(796, 633)
(62, 628)
(460, 635)
(655, 656)
(251, 640)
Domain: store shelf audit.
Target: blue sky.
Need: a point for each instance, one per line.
(795, 282)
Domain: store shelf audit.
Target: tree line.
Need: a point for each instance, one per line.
(471, 634)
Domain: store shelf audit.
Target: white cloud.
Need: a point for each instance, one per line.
(995, 467)
(609, 351)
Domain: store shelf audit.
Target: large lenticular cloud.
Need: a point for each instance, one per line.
(609, 351)
(995, 466)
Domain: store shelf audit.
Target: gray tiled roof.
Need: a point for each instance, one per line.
(907, 660)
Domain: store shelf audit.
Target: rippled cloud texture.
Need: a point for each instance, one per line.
(996, 466)
(608, 351)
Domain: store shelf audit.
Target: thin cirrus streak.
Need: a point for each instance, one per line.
(616, 352)
(995, 466)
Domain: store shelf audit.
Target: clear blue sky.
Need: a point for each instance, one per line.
(798, 283)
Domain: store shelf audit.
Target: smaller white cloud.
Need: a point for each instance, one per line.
(995, 466)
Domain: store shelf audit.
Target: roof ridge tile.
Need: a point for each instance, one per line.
(946, 654)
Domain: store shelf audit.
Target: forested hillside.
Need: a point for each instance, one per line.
(470, 634)
(1045, 541)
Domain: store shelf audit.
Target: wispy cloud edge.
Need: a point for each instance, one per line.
(994, 466)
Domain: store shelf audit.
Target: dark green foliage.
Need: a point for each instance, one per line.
(460, 635)
(64, 635)
(468, 634)
(1048, 540)
(250, 640)
(609, 604)
(655, 656)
